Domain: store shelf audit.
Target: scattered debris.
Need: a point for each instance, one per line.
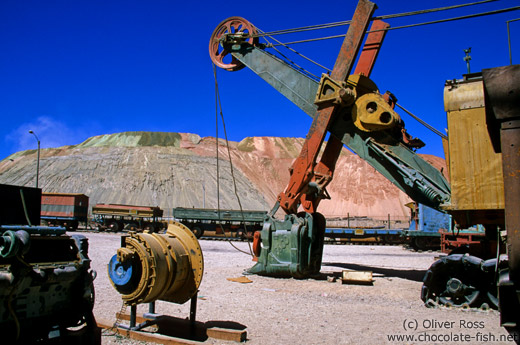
(357, 277)
(242, 280)
(331, 279)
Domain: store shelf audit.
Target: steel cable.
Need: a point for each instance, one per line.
(431, 128)
(469, 16)
(218, 108)
(347, 22)
(297, 53)
(329, 25)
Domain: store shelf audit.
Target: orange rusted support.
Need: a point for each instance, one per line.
(371, 48)
(308, 179)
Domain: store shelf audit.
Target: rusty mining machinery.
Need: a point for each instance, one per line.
(350, 107)
(150, 267)
(46, 281)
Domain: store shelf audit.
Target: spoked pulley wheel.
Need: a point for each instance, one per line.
(219, 50)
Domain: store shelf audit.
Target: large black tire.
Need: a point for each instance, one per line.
(456, 280)
(489, 268)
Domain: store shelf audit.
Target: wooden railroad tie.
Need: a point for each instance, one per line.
(176, 331)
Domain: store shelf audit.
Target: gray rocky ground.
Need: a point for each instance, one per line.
(289, 311)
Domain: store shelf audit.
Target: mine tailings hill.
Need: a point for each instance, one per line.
(180, 170)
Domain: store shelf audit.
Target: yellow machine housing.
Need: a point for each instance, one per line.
(151, 266)
(475, 169)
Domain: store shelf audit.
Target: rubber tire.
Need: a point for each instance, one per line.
(466, 268)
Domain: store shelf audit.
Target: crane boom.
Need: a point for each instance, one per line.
(392, 158)
(349, 107)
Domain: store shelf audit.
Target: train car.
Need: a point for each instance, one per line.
(238, 223)
(64, 209)
(426, 226)
(387, 236)
(424, 232)
(118, 217)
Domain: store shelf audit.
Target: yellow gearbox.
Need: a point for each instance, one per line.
(372, 113)
(151, 266)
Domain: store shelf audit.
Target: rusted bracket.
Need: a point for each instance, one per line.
(332, 91)
(308, 179)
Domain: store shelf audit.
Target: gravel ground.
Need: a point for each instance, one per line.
(290, 311)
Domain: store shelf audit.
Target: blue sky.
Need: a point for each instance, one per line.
(74, 69)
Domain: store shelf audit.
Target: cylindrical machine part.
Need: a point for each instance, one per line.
(151, 266)
(13, 243)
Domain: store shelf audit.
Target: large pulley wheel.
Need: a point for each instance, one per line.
(220, 51)
(455, 280)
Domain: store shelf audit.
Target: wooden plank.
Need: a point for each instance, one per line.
(155, 338)
(126, 317)
(357, 277)
(104, 323)
(143, 336)
(212, 332)
(227, 334)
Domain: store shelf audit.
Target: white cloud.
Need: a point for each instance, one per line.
(51, 132)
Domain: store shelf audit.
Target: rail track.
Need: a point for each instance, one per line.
(328, 240)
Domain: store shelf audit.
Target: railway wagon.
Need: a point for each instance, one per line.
(425, 230)
(64, 209)
(238, 223)
(387, 236)
(426, 226)
(119, 217)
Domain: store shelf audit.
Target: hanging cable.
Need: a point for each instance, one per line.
(217, 102)
(299, 54)
(412, 25)
(431, 128)
(413, 13)
(347, 22)
(218, 108)
(303, 28)
(469, 16)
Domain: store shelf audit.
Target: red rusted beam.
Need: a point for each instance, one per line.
(325, 169)
(371, 48)
(352, 42)
(303, 169)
